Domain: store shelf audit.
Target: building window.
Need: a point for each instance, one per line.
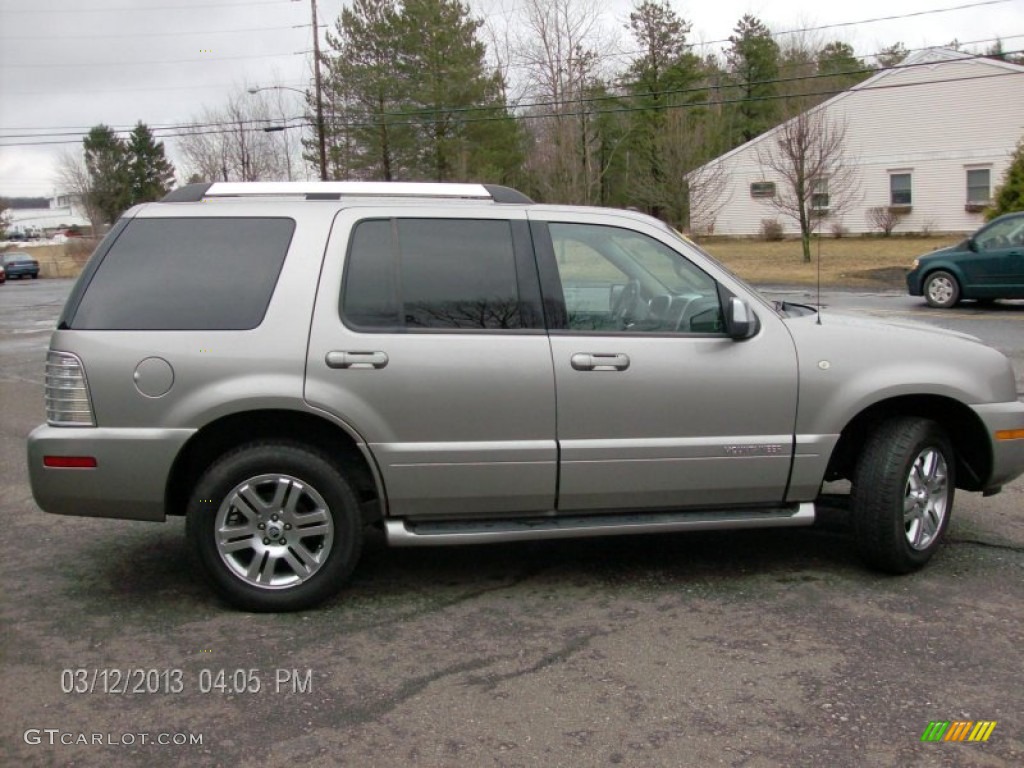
(819, 194)
(978, 186)
(900, 190)
(762, 189)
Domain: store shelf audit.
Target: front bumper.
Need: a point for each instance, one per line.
(128, 482)
(1007, 455)
(914, 287)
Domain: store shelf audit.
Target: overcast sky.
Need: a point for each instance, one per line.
(66, 65)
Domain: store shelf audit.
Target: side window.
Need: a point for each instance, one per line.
(407, 274)
(1008, 233)
(900, 189)
(618, 280)
(186, 274)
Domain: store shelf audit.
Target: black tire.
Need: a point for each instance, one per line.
(289, 523)
(35, 275)
(897, 456)
(941, 289)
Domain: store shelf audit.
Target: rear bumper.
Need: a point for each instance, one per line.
(1007, 455)
(128, 482)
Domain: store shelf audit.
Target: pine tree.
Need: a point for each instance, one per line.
(660, 84)
(367, 136)
(106, 162)
(892, 56)
(1009, 196)
(754, 63)
(150, 175)
(456, 105)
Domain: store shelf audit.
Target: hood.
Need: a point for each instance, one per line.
(949, 249)
(888, 359)
(888, 327)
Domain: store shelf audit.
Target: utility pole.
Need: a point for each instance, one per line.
(321, 132)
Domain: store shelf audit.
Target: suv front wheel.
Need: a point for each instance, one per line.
(902, 493)
(275, 526)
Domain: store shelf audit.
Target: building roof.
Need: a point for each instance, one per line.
(934, 56)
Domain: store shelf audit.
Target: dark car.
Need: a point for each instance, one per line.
(988, 265)
(18, 264)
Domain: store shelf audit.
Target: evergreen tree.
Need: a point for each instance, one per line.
(150, 175)
(659, 82)
(1009, 196)
(844, 69)
(441, 62)
(364, 92)
(754, 60)
(106, 162)
(892, 56)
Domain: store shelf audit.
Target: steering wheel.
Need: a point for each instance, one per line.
(625, 304)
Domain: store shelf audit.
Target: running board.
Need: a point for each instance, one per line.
(402, 533)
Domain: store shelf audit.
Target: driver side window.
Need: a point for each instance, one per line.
(617, 280)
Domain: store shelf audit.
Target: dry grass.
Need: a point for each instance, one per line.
(848, 261)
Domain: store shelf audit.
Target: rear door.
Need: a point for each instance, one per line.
(657, 407)
(428, 340)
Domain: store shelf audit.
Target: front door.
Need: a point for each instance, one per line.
(657, 407)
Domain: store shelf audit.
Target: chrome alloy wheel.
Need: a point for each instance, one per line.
(926, 500)
(941, 289)
(274, 531)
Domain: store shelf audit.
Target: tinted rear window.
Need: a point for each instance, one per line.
(187, 274)
(406, 274)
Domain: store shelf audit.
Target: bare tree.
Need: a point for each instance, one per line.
(808, 153)
(557, 49)
(233, 143)
(884, 219)
(73, 180)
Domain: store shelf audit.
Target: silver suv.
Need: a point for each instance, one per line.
(286, 364)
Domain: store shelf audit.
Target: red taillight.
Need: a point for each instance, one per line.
(69, 462)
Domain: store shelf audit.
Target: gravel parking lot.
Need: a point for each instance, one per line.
(770, 648)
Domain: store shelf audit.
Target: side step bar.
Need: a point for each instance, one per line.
(402, 533)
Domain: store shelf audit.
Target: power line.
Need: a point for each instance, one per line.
(206, 60)
(122, 9)
(303, 122)
(407, 115)
(134, 35)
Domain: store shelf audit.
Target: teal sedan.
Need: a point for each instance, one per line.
(18, 264)
(986, 266)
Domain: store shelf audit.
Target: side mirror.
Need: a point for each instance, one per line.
(740, 320)
(972, 244)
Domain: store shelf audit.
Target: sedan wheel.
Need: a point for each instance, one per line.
(941, 290)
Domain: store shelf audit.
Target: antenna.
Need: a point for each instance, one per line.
(819, 278)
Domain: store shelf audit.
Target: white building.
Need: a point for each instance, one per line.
(63, 211)
(930, 139)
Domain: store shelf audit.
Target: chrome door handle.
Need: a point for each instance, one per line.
(598, 361)
(337, 359)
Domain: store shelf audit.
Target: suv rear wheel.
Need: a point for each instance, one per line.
(275, 526)
(903, 494)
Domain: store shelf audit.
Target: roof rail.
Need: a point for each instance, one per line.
(335, 190)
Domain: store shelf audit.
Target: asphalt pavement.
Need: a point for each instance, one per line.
(769, 648)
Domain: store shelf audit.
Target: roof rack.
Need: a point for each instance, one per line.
(335, 190)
